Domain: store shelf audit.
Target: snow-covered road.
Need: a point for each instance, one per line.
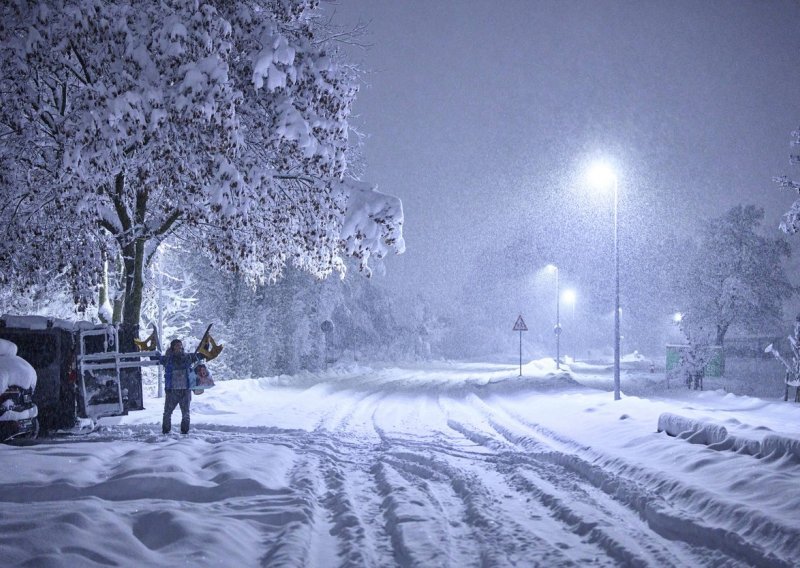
(446, 465)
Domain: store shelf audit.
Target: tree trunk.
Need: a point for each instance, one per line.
(133, 261)
(104, 295)
(722, 329)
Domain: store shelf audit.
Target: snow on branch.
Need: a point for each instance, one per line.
(791, 219)
(373, 222)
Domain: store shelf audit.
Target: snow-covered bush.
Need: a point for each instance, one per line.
(691, 368)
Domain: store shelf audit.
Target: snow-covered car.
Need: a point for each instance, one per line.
(18, 412)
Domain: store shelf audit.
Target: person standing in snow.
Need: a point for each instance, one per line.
(177, 365)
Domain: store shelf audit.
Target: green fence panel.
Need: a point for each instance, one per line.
(714, 368)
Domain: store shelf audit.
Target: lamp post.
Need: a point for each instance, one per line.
(568, 297)
(557, 328)
(601, 176)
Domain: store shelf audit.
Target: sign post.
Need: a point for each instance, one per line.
(520, 327)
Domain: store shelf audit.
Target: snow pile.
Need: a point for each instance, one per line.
(694, 431)
(14, 370)
(7, 348)
(716, 436)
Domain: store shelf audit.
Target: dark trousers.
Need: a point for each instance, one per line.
(174, 398)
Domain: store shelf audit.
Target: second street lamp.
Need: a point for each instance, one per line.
(568, 297)
(602, 176)
(557, 328)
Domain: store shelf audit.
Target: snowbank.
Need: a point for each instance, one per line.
(694, 431)
(14, 370)
(716, 437)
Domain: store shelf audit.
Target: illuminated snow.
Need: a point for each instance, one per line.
(443, 464)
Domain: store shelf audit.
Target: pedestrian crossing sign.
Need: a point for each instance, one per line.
(520, 325)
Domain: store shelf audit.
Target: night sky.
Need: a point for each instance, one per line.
(482, 116)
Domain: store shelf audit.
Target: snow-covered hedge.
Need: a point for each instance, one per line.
(776, 446)
(716, 437)
(694, 431)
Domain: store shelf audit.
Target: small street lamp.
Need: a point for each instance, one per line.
(568, 297)
(557, 328)
(601, 176)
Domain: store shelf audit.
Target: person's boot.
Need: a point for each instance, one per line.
(185, 425)
(166, 425)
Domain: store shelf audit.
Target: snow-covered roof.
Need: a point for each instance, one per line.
(43, 322)
(14, 370)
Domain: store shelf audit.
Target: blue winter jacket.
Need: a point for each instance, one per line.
(177, 367)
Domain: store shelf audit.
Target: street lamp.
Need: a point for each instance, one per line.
(568, 297)
(602, 176)
(557, 328)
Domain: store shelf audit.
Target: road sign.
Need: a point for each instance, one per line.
(520, 326)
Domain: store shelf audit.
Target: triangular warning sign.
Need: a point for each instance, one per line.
(520, 325)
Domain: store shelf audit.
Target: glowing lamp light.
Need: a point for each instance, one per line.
(601, 175)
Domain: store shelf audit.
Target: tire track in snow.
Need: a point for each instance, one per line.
(428, 479)
(415, 521)
(564, 505)
(410, 513)
(353, 503)
(343, 411)
(491, 529)
(666, 520)
(298, 537)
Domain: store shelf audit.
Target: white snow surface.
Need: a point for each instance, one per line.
(444, 464)
(7, 348)
(14, 370)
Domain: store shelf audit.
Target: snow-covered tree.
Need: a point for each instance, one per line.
(735, 275)
(122, 123)
(791, 363)
(791, 219)
(697, 353)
